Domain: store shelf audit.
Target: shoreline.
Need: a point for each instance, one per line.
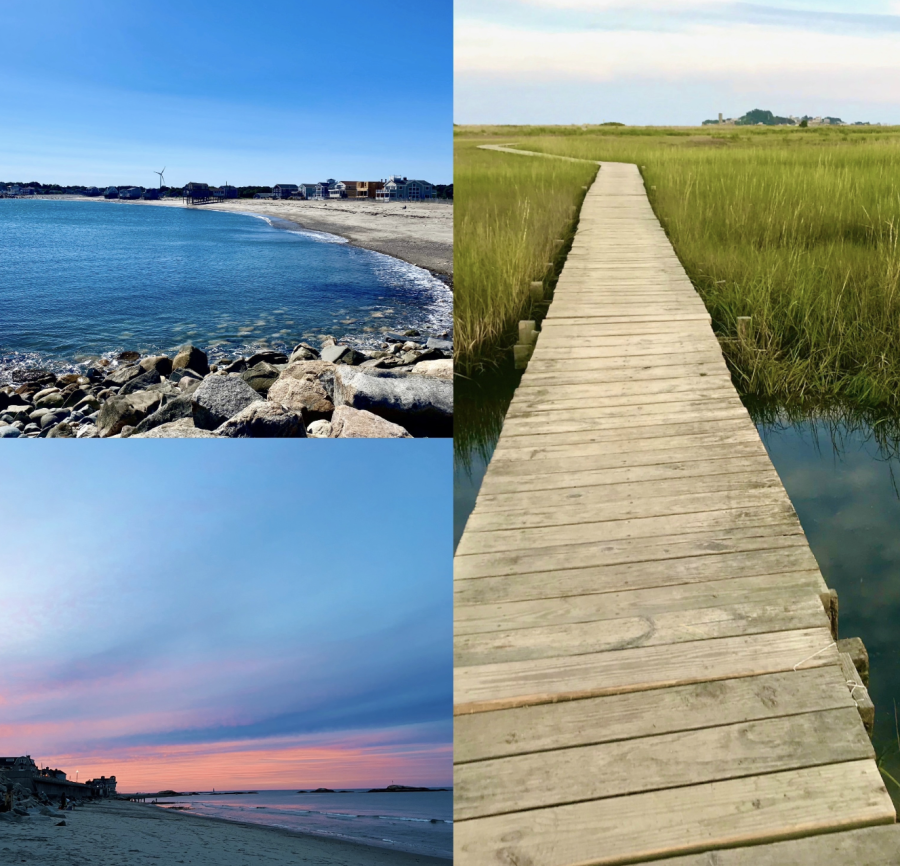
(111, 833)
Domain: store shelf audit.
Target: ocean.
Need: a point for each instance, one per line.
(82, 279)
(421, 823)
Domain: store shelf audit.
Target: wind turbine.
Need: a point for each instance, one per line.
(161, 178)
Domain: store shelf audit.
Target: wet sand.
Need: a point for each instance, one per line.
(112, 833)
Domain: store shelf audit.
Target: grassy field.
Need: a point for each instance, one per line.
(797, 228)
(509, 210)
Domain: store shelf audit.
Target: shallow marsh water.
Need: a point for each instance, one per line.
(82, 278)
(843, 477)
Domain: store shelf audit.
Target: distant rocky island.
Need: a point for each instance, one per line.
(762, 117)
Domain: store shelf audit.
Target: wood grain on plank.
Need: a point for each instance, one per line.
(681, 820)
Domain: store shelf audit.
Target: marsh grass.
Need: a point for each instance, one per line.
(798, 229)
(509, 209)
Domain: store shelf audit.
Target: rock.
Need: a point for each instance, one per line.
(128, 356)
(347, 423)
(119, 412)
(9, 432)
(191, 358)
(264, 420)
(236, 366)
(412, 332)
(60, 823)
(174, 409)
(87, 404)
(442, 369)
(61, 431)
(443, 345)
(306, 396)
(421, 404)
(409, 358)
(372, 363)
(261, 376)
(160, 363)
(219, 398)
(139, 383)
(75, 396)
(87, 431)
(50, 401)
(32, 377)
(180, 375)
(52, 418)
(319, 430)
(393, 337)
(269, 356)
(119, 377)
(182, 429)
(303, 352)
(337, 354)
(323, 371)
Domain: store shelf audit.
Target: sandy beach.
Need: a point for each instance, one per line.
(420, 233)
(115, 833)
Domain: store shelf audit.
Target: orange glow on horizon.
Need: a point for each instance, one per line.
(262, 764)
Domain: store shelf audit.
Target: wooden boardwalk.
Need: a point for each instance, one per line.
(645, 665)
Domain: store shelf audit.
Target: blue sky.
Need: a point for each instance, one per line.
(107, 91)
(674, 63)
(166, 603)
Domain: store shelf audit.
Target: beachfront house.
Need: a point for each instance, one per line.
(225, 191)
(21, 767)
(323, 189)
(103, 787)
(264, 195)
(194, 192)
(92, 191)
(284, 190)
(307, 190)
(368, 188)
(47, 773)
(151, 194)
(130, 192)
(398, 188)
(111, 192)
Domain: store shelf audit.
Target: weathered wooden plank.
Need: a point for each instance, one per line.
(787, 588)
(486, 687)
(681, 820)
(713, 395)
(870, 846)
(551, 448)
(580, 774)
(544, 727)
(607, 387)
(779, 517)
(588, 420)
(666, 628)
(654, 562)
(597, 508)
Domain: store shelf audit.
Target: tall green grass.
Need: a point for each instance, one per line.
(508, 211)
(798, 229)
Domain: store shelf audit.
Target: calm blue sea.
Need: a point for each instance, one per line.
(417, 822)
(81, 279)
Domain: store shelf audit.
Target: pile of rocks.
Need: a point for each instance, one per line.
(333, 392)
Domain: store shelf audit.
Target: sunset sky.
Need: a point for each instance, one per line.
(674, 62)
(249, 615)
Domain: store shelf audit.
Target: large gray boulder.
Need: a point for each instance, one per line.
(421, 404)
(323, 371)
(347, 423)
(442, 369)
(304, 352)
(264, 420)
(10, 432)
(219, 398)
(191, 358)
(341, 355)
(261, 376)
(119, 412)
(442, 345)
